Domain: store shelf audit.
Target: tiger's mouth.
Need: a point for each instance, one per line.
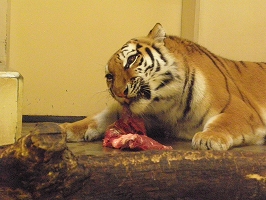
(143, 92)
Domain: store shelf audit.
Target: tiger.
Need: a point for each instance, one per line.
(182, 90)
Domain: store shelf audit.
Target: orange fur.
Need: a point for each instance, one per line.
(79, 129)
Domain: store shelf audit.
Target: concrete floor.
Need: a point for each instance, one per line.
(96, 148)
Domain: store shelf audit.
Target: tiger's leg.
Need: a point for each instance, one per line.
(93, 128)
(227, 130)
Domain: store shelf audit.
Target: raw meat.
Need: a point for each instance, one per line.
(129, 133)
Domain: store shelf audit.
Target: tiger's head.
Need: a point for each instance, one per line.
(143, 73)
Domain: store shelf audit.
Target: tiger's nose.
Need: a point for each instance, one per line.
(126, 92)
(123, 94)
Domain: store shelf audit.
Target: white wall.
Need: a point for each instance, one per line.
(61, 47)
(234, 29)
(3, 32)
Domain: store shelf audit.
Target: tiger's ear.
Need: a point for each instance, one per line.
(157, 33)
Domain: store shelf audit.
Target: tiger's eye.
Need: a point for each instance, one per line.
(131, 59)
(109, 77)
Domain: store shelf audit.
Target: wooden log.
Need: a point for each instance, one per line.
(40, 166)
(177, 174)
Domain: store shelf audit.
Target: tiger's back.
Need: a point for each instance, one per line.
(187, 91)
(236, 88)
(247, 79)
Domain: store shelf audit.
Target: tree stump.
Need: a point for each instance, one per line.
(41, 166)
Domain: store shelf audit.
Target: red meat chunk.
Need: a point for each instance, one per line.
(129, 133)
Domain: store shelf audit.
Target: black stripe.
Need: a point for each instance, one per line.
(159, 52)
(149, 67)
(149, 53)
(190, 95)
(168, 74)
(261, 66)
(211, 57)
(232, 79)
(134, 87)
(130, 51)
(141, 61)
(243, 63)
(222, 64)
(158, 68)
(168, 79)
(145, 63)
(145, 91)
(198, 48)
(247, 101)
(172, 37)
(237, 67)
(123, 54)
(186, 75)
(123, 47)
(117, 56)
(229, 75)
(139, 69)
(199, 124)
(138, 46)
(156, 99)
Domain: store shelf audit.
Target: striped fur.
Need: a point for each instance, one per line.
(183, 90)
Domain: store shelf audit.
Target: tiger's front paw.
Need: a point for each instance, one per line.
(74, 133)
(77, 132)
(212, 141)
(92, 134)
